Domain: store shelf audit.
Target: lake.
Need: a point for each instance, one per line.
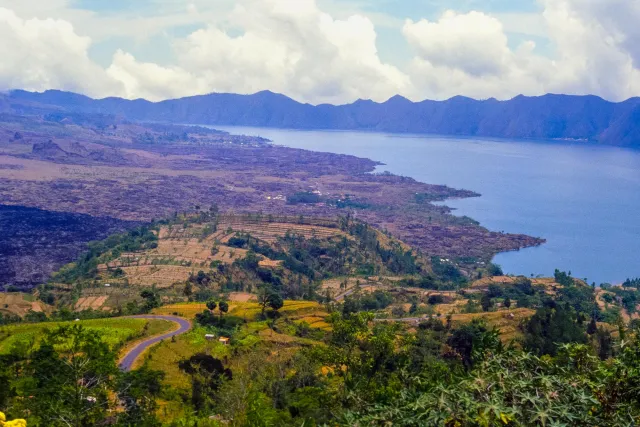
(583, 198)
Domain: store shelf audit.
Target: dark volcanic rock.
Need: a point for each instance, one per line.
(34, 243)
(49, 150)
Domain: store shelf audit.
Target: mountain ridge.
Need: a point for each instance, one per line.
(550, 116)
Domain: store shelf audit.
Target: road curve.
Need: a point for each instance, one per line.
(127, 362)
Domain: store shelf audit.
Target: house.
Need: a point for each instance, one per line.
(209, 337)
(224, 341)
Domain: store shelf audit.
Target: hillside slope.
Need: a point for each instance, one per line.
(549, 116)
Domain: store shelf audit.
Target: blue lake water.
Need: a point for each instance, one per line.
(583, 198)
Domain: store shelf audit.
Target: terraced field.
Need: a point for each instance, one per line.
(19, 304)
(245, 310)
(506, 321)
(185, 250)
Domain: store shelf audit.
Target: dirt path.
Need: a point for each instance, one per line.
(128, 360)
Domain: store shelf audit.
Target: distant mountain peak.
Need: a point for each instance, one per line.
(398, 99)
(549, 116)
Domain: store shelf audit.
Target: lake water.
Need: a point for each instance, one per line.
(583, 198)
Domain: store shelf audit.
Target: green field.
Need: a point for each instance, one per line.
(116, 332)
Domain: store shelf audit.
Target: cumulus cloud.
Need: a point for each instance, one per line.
(469, 54)
(289, 47)
(295, 48)
(595, 49)
(41, 54)
(474, 42)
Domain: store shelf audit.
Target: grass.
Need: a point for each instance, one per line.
(245, 310)
(506, 321)
(165, 356)
(316, 322)
(116, 332)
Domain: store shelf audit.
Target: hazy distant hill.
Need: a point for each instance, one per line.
(548, 116)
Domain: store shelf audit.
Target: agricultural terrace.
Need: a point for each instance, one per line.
(116, 332)
(19, 304)
(184, 249)
(250, 311)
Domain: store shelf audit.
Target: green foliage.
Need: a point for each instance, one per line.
(494, 270)
(486, 302)
(377, 300)
(151, 300)
(473, 342)
(69, 379)
(630, 298)
(551, 327)
(563, 278)
(223, 307)
(303, 197)
(207, 375)
(138, 391)
(100, 252)
(519, 389)
(447, 271)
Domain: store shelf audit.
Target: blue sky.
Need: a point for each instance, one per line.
(323, 50)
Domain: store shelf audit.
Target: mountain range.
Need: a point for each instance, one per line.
(544, 117)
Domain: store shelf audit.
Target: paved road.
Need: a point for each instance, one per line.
(127, 362)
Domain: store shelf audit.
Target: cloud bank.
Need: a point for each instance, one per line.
(295, 48)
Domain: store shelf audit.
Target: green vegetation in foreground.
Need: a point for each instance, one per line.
(360, 372)
(571, 356)
(114, 332)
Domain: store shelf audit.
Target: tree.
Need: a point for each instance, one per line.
(507, 302)
(263, 298)
(552, 326)
(604, 342)
(71, 373)
(207, 375)
(188, 289)
(495, 270)
(350, 305)
(137, 390)
(523, 301)
(152, 300)
(414, 307)
(276, 302)
(211, 305)
(486, 302)
(267, 297)
(593, 326)
(472, 342)
(223, 306)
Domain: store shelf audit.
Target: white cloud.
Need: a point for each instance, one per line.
(592, 51)
(297, 48)
(40, 54)
(289, 47)
(474, 43)
(469, 54)
(531, 23)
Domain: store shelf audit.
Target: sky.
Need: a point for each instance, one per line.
(322, 51)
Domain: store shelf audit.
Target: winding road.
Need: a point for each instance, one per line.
(129, 359)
